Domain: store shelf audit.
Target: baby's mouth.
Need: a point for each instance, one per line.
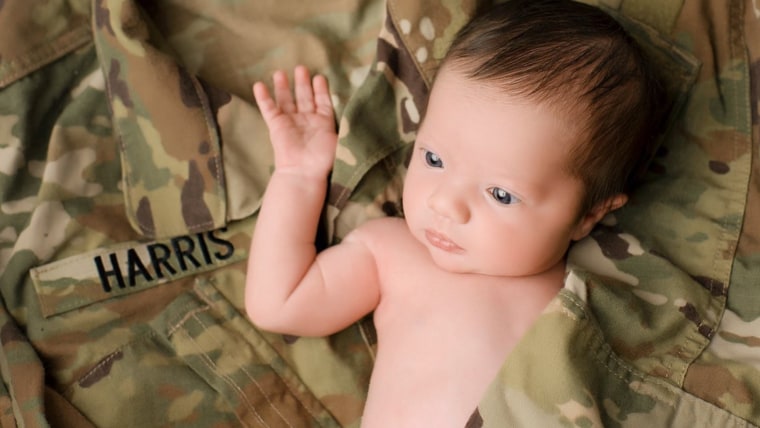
(442, 242)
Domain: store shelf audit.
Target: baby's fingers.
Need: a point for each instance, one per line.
(282, 92)
(304, 94)
(267, 105)
(322, 99)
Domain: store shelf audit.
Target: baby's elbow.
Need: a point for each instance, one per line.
(263, 317)
(266, 323)
(272, 318)
(257, 306)
(276, 320)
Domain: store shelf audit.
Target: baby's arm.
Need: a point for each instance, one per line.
(289, 288)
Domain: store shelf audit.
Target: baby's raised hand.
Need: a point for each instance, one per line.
(302, 130)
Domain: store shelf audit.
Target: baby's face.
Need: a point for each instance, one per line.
(487, 191)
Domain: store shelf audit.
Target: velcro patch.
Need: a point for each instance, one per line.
(128, 267)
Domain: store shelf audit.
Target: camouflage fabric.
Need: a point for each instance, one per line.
(132, 160)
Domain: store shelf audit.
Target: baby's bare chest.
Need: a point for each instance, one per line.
(456, 319)
(443, 329)
(436, 347)
(442, 336)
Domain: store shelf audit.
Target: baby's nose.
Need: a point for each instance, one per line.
(448, 204)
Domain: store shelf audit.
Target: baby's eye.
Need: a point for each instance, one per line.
(502, 196)
(433, 160)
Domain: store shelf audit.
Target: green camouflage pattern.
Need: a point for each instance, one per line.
(124, 229)
(132, 161)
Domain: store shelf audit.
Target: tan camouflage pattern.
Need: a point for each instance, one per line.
(88, 175)
(132, 159)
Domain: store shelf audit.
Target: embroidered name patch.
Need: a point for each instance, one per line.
(128, 267)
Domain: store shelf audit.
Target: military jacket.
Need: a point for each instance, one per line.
(133, 159)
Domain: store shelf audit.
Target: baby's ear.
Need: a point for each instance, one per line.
(592, 217)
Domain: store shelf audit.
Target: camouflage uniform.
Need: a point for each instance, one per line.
(132, 161)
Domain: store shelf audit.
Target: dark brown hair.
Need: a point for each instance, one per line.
(576, 59)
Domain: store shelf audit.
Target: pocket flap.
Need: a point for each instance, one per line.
(165, 120)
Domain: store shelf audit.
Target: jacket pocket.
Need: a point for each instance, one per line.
(197, 363)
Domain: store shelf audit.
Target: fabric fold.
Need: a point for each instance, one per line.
(164, 118)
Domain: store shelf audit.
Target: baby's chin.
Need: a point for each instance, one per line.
(460, 263)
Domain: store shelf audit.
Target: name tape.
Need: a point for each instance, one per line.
(125, 268)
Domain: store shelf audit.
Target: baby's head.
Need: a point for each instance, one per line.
(533, 129)
(578, 62)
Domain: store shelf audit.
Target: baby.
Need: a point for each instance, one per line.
(535, 123)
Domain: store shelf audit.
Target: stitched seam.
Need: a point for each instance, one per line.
(49, 309)
(46, 307)
(148, 334)
(621, 364)
(607, 358)
(181, 322)
(619, 368)
(214, 136)
(212, 366)
(295, 395)
(258, 385)
(735, 42)
(103, 362)
(203, 296)
(724, 234)
(45, 54)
